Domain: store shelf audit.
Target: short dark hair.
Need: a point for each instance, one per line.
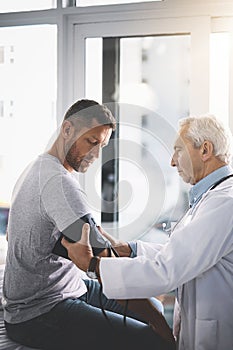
(84, 111)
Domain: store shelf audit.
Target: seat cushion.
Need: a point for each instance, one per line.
(5, 342)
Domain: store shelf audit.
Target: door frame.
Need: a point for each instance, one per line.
(197, 27)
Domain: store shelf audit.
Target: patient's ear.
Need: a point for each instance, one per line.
(67, 129)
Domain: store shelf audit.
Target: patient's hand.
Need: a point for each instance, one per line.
(121, 247)
(80, 252)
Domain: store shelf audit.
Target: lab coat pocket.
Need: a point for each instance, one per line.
(206, 335)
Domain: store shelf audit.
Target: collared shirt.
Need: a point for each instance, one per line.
(133, 247)
(197, 191)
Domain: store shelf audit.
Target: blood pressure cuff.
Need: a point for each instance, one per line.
(73, 234)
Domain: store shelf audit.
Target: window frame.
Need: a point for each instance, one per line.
(214, 11)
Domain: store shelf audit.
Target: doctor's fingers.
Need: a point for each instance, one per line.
(114, 242)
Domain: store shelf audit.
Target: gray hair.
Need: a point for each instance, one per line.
(209, 128)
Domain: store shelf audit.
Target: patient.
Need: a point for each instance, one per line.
(47, 304)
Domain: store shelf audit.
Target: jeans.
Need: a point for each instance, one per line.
(80, 324)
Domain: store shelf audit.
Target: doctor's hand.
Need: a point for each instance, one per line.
(122, 248)
(80, 252)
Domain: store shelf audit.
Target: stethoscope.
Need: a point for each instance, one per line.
(220, 181)
(188, 215)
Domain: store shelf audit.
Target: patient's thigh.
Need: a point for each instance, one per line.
(74, 324)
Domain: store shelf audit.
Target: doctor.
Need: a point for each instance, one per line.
(198, 258)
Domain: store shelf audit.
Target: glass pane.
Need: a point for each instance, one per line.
(219, 75)
(151, 94)
(108, 2)
(154, 94)
(27, 98)
(26, 5)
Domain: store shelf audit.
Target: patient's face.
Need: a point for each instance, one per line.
(87, 147)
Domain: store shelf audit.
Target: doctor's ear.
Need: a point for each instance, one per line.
(206, 150)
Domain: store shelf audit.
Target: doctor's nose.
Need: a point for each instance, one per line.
(173, 162)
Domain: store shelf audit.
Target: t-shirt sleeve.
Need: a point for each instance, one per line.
(63, 201)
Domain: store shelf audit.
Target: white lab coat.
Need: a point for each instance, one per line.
(198, 259)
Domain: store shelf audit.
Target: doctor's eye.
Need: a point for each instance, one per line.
(178, 150)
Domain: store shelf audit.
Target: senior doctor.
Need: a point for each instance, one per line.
(197, 260)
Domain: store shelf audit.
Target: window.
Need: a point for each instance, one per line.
(1, 54)
(150, 82)
(25, 5)
(137, 73)
(28, 98)
(148, 65)
(219, 75)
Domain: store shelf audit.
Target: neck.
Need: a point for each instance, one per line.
(57, 150)
(209, 167)
(214, 165)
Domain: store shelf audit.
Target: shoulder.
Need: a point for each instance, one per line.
(219, 200)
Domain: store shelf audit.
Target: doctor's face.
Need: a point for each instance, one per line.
(187, 159)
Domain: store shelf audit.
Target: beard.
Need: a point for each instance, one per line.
(76, 162)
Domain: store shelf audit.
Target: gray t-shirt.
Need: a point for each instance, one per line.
(46, 199)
